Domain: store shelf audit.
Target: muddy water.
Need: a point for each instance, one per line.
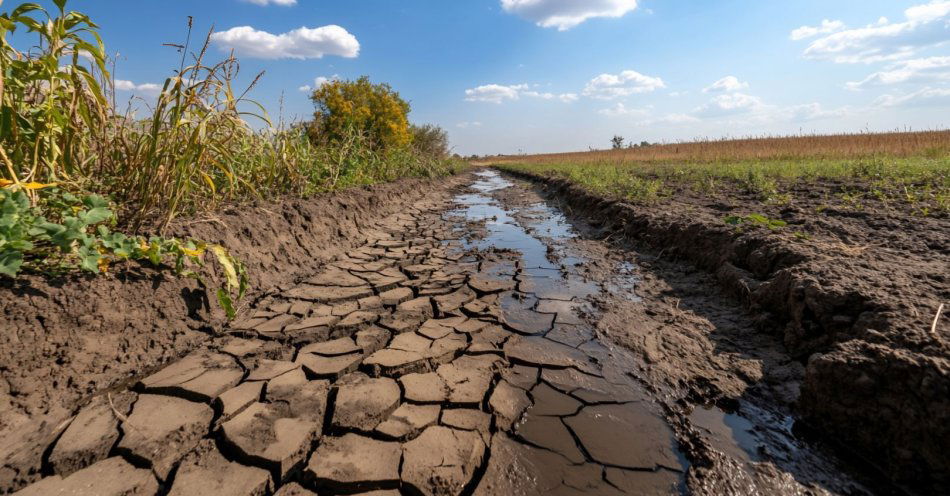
(621, 437)
(590, 428)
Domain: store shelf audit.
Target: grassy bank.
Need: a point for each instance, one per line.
(86, 182)
(919, 181)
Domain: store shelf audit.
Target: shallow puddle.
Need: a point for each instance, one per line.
(590, 428)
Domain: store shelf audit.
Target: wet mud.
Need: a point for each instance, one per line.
(478, 343)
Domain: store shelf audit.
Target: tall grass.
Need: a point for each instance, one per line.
(194, 151)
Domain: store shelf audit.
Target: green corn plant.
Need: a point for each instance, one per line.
(48, 97)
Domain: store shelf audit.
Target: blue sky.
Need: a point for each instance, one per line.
(505, 76)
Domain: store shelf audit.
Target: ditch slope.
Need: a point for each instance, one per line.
(855, 304)
(468, 347)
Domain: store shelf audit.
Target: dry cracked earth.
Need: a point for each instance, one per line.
(458, 352)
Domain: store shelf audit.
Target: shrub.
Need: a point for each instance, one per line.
(430, 140)
(374, 111)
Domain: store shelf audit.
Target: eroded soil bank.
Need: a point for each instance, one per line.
(62, 341)
(477, 343)
(854, 304)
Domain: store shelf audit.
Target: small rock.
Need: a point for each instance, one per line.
(392, 362)
(424, 388)
(362, 402)
(466, 385)
(161, 429)
(409, 420)
(353, 462)
(294, 489)
(268, 435)
(396, 296)
(206, 471)
(442, 461)
(333, 368)
(232, 401)
(200, 376)
(372, 339)
(335, 347)
(110, 477)
(269, 369)
(90, 436)
(508, 403)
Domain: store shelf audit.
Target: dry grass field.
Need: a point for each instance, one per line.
(859, 145)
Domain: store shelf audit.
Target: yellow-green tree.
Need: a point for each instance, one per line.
(373, 111)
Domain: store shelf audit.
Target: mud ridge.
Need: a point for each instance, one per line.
(876, 379)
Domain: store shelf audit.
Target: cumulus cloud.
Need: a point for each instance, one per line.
(810, 31)
(673, 119)
(565, 14)
(928, 69)
(608, 86)
(285, 3)
(150, 89)
(621, 109)
(730, 104)
(926, 25)
(727, 84)
(809, 112)
(466, 125)
(930, 97)
(497, 93)
(318, 82)
(300, 43)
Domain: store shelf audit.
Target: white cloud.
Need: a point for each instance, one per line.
(285, 3)
(300, 43)
(496, 93)
(908, 71)
(726, 85)
(150, 89)
(565, 14)
(621, 109)
(809, 112)
(466, 125)
(926, 25)
(564, 97)
(930, 97)
(608, 86)
(318, 82)
(810, 31)
(730, 104)
(670, 119)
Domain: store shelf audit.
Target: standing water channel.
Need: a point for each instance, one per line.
(590, 427)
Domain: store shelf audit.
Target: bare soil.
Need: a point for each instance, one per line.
(64, 340)
(486, 335)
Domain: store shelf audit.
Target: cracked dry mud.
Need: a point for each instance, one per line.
(456, 353)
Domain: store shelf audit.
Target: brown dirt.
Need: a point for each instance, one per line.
(63, 340)
(471, 347)
(852, 308)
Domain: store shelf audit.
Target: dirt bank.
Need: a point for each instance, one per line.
(64, 340)
(852, 294)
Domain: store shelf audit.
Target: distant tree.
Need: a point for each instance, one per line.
(616, 142)
(374, 111)
(645, 143)
(430, 140)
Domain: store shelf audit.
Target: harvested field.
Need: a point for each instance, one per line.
(489, 339)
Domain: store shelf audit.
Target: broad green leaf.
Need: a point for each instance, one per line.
(10, 262)
(224, 298)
